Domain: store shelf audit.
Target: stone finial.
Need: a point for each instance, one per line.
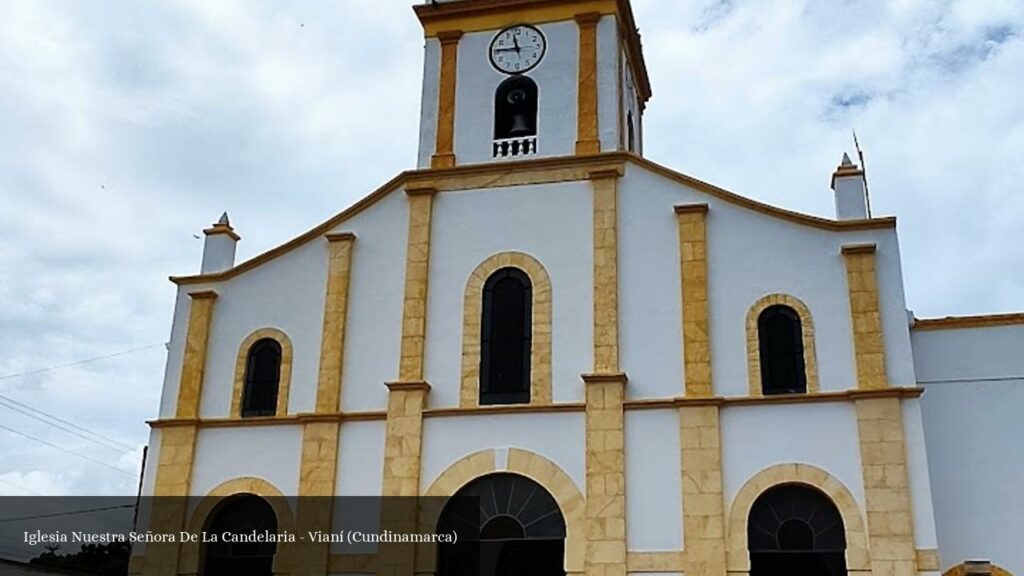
(850, 191)
(219, 247)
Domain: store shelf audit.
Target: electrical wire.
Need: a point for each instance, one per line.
(72, 452)
(19, 487)
(79, 362)
(120, 448)
(72, 513)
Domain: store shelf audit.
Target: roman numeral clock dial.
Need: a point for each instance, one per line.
(517, 49)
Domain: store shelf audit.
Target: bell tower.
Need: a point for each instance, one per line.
(506, 80)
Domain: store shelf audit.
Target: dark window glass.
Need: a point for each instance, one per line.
(631, 136)
(782, 351)
(506, 329)
(515, 108)
(262, 378)
(794, 529)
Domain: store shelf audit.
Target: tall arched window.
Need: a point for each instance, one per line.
(240, 515)
(782, 351)
(631, 132)
(506, 337)
(262, 379)
(794, 529)
(515, 117)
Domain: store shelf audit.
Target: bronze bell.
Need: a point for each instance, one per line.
(520, 127)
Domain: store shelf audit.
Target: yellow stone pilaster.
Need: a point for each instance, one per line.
(693, 268)
(444, 148)
(606, 475)
(866, 316)
(402, 453)
(173, 480)
(886, 486)
(193, 368)
(417, 268)
(178, 443)
(606, 271)
(332, 346)
(587, 141)
(703, 507)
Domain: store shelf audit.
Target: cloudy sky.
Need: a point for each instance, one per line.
(127, 127)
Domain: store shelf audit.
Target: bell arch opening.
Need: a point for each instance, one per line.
(507, 525)
(795, 529)
(515, 117)
(240, 515)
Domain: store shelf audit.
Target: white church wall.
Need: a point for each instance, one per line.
(376, 290)
(554, 224)
(175, 353)
(559, 437)
(286, 293)
(750, 255)
(360, 459)
(917, 472)
(428, 101)
(268, 452)
(974, 388)
(608, 83)
(654, 520)
(556, 78)
(821, 435)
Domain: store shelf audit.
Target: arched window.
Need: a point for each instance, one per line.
(262, 379)
(782, 351)
(795, 529)
(515, 117)
(631, 133)
(241, 515)
(506, 525)
(506, 337)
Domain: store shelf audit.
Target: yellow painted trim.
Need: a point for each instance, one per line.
(525, 463)
(242, 361)
(700, 441)
(693, 268)
(606, 474)
(883, 457)
(540, 346)
(332, 344)
(444, 147)
(961, 570)
(404, 438)
(417, 275)
(193, 369)
(928, 560)
(962, 322)
(606, 271)
(866, 316)
(754, 342)
(522, 173)
(587, 132)
(225, 229)
(191, 551)
(858, 557)
(669, 561)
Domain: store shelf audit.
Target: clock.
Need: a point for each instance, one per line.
(517, 49)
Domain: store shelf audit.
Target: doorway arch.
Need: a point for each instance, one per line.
(795, 529)
(242, 514)
(507, 524)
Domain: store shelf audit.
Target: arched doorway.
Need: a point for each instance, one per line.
(507, 525)
(795, 529)
(243, 514)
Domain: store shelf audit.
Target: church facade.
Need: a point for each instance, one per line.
(657, 376)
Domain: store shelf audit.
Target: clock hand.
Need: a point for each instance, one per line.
(516, 42)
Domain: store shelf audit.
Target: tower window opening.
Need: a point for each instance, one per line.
(515, 118)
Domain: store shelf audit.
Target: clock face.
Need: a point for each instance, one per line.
(517, 49)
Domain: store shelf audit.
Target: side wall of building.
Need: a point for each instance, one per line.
(974, 380)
